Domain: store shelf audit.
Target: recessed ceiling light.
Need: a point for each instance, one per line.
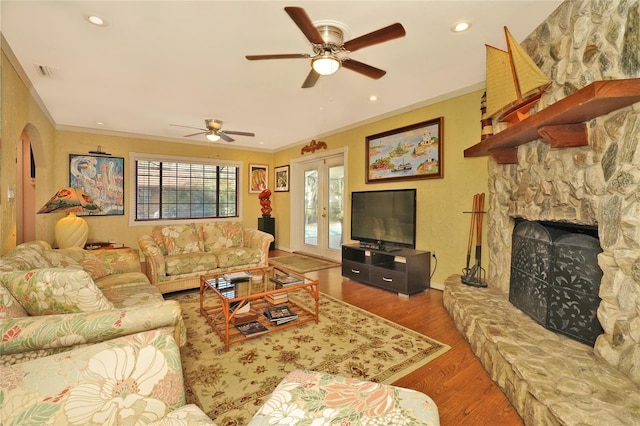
(99, 123)
(373, 98)
(461, 26)
(96, 20)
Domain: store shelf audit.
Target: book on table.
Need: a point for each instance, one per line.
(252, 328)
(286, 280)
(237, 276)
(280, 314)
(277, 298)
(239, 309)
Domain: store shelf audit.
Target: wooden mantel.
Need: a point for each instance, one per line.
(562, 124)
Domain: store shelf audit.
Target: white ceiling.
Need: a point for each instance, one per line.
(158, 63)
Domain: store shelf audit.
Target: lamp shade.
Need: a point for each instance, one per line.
(70, 231)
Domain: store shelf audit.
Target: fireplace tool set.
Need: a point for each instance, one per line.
(475, 275)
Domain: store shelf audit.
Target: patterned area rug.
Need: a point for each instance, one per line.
(301, 263)
(231, 386)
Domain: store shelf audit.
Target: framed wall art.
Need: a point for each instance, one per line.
(258, 178)
(102, 178)
(281, 175)
(410, 152)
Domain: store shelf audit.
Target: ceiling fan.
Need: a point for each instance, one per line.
(329, 49)
(214, 131)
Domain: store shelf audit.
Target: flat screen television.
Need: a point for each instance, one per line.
(384, 219)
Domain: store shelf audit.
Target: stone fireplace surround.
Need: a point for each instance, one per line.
(551, 379)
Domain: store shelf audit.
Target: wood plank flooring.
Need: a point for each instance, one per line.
(456, 381)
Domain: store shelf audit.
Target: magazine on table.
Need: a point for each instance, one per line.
(280, 314)
(252, 328)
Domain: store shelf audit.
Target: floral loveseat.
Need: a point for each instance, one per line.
(176, 255)
(54, 300)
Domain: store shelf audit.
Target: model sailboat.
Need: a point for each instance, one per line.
(514, 82)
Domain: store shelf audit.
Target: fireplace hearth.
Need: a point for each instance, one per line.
(555, 277)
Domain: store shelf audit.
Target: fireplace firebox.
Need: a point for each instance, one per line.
(555, 277)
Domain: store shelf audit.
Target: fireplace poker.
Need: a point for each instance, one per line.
(466, 270)
(476, 275)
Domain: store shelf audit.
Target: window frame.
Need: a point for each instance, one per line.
(135, 156)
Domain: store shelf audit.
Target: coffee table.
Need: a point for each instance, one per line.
(231, 296)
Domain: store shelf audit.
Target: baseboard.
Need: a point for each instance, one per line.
(437, 286)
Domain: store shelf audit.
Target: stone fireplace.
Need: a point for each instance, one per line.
(551, 379)
(596, 185)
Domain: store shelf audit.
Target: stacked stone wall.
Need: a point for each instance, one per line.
(581, 42)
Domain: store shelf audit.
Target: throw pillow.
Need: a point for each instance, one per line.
(78, 258)
(220, 235)
(177, 239)
(56, 291)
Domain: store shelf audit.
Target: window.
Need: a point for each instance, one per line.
(170, 189)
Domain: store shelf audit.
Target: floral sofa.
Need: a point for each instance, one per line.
(176, 255)
(52, 301)
(133, 379)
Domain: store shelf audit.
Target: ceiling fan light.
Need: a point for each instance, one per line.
(326, 64)
(213, 136)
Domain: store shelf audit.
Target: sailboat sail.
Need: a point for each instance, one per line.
(512, 78)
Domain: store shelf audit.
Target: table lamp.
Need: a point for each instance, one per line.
(70, 231)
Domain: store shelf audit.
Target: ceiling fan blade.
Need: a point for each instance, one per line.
(233, 132)
(363, 68)
(188, 127)
(311, 79)
(279, 56)
(302, 20)
(195, 134)
(226, 137)
(379, 36)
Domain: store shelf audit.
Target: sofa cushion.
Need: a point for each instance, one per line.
(26, 256)
(237, 256)
(9, 306)
(177, 239)
(78, 258)
(191, 262)
(55, 291)
(129, 289)
(219, 235)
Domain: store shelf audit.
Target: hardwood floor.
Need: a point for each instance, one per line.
(456, 381)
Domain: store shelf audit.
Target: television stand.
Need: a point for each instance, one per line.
(404, 271)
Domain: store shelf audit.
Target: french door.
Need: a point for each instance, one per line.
(318, 206)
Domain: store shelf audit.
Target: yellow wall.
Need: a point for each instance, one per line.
(116, 228)
(21, 116)
(442, 226)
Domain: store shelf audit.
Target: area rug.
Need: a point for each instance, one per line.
(301, 263)
(231, 386)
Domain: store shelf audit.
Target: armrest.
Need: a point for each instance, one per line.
(54, 333)
(154, 259)
(255, 238)
(119, 261)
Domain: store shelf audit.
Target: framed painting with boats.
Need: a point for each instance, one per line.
(410, 152)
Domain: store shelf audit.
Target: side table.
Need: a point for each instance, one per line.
(268, 224)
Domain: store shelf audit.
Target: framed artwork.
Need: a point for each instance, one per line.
(281, 176)
(258, 178)
(102, 178)
(410, 152)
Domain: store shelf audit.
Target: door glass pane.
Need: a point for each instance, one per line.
(336, 206)
(311, 207)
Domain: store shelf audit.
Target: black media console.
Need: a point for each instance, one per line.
(405, 271)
